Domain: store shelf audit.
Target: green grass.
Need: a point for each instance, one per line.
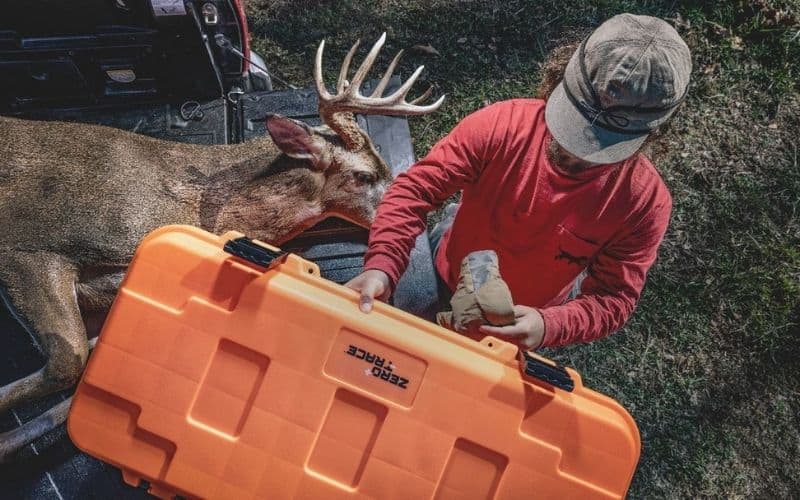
(708, 366)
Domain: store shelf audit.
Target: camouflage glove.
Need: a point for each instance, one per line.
(481, 297)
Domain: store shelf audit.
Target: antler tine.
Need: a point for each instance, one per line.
(409, 109)
(400, 94)
(358, 78)
(386, 76)
(342, 82)
(424, 96)
(321, 90)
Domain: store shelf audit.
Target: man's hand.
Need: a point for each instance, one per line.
(371, 284)
(529, 326)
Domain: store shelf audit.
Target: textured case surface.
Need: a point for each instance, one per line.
(215, 379)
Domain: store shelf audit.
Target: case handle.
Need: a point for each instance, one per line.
(554, 374)
(248, 250)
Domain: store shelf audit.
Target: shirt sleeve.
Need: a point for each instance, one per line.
(454, 162)
(613, 285)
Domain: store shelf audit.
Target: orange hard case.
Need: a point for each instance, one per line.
(216, 378)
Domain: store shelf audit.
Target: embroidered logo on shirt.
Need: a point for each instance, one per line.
(572, 259)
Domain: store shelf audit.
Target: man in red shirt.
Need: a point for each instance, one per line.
(555, 187)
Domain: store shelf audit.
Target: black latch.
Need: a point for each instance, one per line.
(554, 375)
(244, 248)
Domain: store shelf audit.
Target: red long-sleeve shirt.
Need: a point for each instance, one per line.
(545, 226)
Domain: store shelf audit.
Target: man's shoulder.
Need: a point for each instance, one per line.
(517, 103)
(512, 116)
(645, 174)
(647, 183)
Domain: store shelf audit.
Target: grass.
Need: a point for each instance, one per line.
(708, 366)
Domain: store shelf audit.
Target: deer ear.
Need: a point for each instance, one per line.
(295, 139)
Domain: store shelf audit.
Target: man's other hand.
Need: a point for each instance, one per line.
(529, 326)
(371, 284)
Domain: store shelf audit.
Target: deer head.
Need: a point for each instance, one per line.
(350, 176)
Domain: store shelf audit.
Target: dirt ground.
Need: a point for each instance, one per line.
(708, 366)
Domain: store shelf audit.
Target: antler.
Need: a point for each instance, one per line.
(337, 110)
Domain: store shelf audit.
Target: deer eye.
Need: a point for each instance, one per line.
(364, 177)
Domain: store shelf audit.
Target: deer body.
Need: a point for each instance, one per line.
(92, 192)
(76, 199)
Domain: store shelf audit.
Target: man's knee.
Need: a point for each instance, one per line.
(436, 233)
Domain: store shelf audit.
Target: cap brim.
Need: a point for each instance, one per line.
(578, 136)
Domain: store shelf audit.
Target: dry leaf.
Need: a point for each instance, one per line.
(736, 43)
(680, 22)
(427, 49)
(717, 28)
(463, 39)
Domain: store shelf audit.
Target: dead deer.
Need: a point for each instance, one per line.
(76, 199)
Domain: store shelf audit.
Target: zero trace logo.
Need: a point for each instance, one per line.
(380, 368)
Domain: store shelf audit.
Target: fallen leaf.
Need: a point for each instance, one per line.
(717, 28)
(736, 43)
(427, 49)
(463, 39)
(680, 22)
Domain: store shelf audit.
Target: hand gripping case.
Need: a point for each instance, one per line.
(228, 370)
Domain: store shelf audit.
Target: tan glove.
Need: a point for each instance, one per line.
(481, 297)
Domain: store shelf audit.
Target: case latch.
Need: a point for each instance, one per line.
(554, 375)
(246, 249)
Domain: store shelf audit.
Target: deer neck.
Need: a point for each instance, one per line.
(242, 159)
(254, 189)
